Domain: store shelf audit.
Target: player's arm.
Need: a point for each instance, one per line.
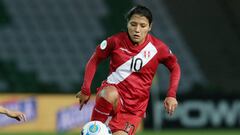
(13, 114)
(102, 52)
(170, 102)
(90, 69)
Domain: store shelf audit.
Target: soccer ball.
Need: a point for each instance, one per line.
(95, 128)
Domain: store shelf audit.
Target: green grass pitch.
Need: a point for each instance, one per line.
(163, 132)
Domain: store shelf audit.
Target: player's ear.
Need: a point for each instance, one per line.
(150, 27)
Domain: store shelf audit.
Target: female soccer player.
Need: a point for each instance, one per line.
(13, 114)
(134, 58)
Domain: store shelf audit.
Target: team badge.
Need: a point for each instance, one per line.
(103, 45)
(147, 54)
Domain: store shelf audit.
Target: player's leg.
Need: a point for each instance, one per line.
(124, 123)
(110, 93)
(106, 101)
(120, 133)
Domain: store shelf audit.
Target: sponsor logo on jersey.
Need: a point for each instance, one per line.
(103, 45)
(125, 50)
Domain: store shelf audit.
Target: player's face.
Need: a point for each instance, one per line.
(138, 27)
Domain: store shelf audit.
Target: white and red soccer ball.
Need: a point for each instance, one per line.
(95, 128)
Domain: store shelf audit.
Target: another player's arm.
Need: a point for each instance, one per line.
(3, 110)
(170, 102)
(13, 114)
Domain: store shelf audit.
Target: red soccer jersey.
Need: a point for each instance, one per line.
(132, 69)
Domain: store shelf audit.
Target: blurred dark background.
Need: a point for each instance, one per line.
(211, 28)
(44, 45)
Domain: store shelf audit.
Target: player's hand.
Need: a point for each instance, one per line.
(16, 115)
(83, 99)
(170, 104)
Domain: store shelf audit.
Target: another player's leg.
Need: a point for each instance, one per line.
(106, 101)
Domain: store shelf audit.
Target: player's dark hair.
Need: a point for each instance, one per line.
(140, 10)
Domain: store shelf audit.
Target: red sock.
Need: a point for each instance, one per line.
(101, 110)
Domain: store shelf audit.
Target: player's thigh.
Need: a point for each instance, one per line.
(110, 93)
(120, 133)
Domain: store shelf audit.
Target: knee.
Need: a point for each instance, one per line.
(109, 93)
(120, 133)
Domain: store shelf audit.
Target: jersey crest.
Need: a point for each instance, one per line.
(147, 54)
